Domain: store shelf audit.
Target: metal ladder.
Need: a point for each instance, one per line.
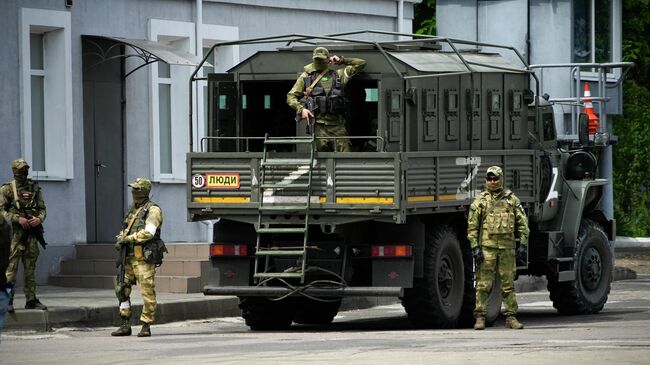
(264, 226)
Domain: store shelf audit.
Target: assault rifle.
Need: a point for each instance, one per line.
(310, 104)
(38, 231)
(121, 265)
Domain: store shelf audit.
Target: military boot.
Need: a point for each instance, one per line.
(513, 323)
(145, 331)
(480, 323)
(125, 328)
(35, 304)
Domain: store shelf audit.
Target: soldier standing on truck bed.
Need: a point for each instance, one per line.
(494, 217)
(318, 93)
(21, 202)
(140, 237)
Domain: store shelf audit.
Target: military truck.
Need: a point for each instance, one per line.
(299, 230)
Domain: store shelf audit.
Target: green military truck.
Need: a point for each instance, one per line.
(299, 230)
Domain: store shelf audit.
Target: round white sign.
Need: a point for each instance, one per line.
(198, 181)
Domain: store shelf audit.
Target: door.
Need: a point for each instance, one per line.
(103, 144)
(222, 111)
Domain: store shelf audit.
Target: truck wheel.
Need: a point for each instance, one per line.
(315, 312)
(262, 314)
(436, 299)
(593, 271)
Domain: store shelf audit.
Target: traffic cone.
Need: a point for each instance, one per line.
(589, 109)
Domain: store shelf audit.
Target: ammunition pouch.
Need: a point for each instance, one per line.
(154, 251)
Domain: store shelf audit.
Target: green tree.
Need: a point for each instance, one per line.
(424, 21)
(632, 152)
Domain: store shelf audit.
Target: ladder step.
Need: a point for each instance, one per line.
(285, 186)
(286, 162)
(278, 275)
(267, 252)
(282, 208)
(281, 230)
(288, 141)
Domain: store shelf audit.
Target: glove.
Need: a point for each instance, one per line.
(9, 288)
(121, 240)
(477, 253)
(522, 255)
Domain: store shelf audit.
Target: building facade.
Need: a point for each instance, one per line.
(90, 112)
(552, 32)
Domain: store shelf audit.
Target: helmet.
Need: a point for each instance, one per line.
(321, 52)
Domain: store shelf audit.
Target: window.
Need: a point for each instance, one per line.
(46, 98)
(594, 30)
(169, 90)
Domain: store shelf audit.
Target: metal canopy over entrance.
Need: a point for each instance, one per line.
(146, 50)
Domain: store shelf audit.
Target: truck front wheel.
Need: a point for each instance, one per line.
(436, 300)
(588, 293)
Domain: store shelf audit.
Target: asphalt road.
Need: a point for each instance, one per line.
(620, 334)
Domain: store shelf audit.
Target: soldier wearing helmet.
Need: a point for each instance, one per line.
(494, 218)
(324, 87)
(141, 226)
(21, 202)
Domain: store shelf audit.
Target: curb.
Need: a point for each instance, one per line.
(206, 307)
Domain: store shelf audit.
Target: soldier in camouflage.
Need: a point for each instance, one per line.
(141, 225)
(21, 202)
(325, 86)
(494, 218)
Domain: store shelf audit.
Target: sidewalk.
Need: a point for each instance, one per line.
(80, 307)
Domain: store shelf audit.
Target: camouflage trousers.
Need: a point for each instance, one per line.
(332, 130)
(497, 262)
(27, 252)
(138, 271)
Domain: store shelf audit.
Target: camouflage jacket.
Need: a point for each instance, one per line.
(352, 67)
(146, 225)
(30, 199)
(497, 217)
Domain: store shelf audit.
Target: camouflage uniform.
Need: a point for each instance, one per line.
(327, 125)
(147, 219)
(24, 245)
(497, 214)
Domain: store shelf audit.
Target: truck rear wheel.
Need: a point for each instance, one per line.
(262, 314)
(593, 273)
(311, 311)
(436, 300)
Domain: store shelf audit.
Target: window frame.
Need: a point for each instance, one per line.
(57, 91)
(615, 39)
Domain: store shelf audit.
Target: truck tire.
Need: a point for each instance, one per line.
(593, 272)
(311, 311)
(436, 300)
(262, 314)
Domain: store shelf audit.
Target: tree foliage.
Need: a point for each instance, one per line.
(632, 152)
(424, 21)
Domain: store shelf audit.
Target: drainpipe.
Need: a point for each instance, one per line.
(209, 230)
(400, 18)
(198, 37)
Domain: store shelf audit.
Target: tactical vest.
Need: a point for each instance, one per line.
(332, 102)
(27, 198)
(141, 220)
(499, 215)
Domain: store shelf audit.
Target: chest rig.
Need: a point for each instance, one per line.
(328, 102)
(500, 215)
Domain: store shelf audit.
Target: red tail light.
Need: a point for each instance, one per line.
(392, 251)
(217, 249)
